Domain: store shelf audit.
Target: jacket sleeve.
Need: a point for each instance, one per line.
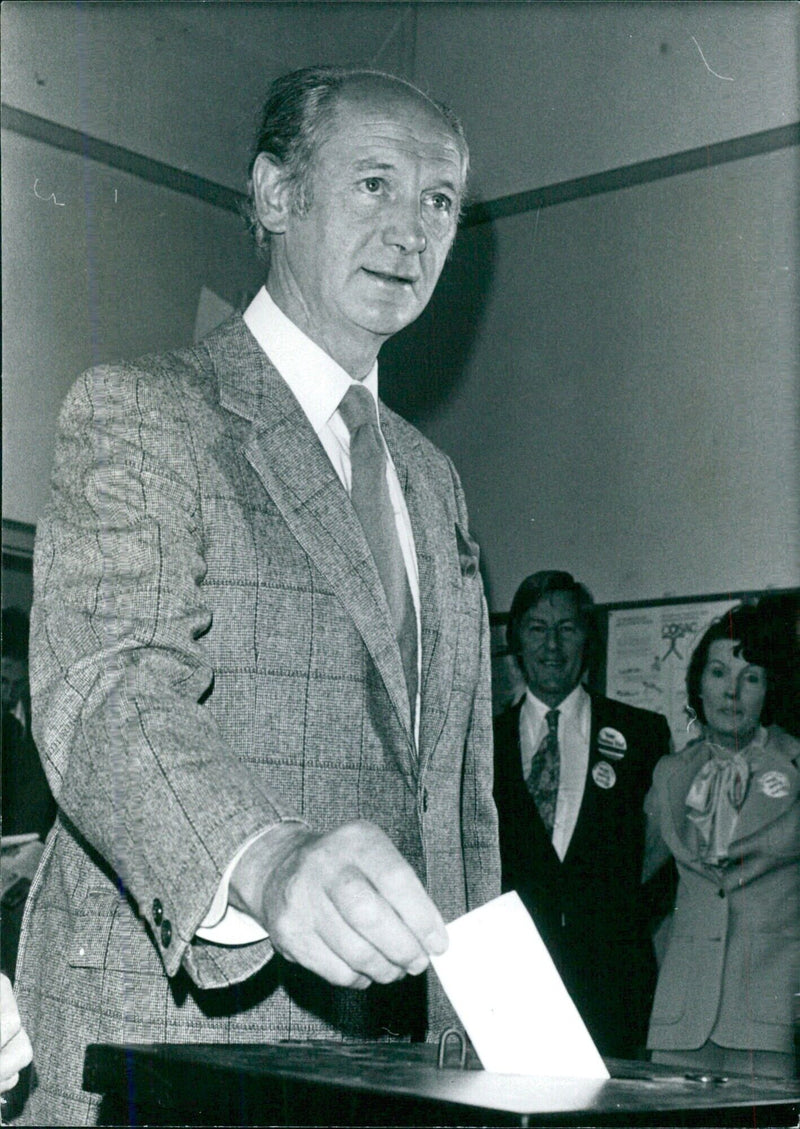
(656, 851)
(137, 764)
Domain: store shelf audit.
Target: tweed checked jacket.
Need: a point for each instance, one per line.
(733, 959)
(212, 652)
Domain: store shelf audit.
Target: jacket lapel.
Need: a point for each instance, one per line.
(439, 588)
(678, 787)
(585, 821)
(287, 456)
(773, 789)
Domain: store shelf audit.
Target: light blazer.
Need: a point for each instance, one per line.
(212, 652)
(589, 908)
(733, 957)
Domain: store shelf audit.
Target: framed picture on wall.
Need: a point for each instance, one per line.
(649, 645)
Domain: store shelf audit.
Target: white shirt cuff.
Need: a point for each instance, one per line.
(224, 924)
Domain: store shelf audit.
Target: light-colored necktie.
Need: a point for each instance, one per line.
(369, 493)
(542, 781)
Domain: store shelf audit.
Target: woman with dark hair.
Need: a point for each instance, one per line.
(728, 809)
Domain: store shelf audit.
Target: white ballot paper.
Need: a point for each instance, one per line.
(503, 984)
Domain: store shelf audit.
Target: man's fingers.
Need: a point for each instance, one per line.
(16, 1053)
(315, 955)
(399, 887)
(364, 930)
(8, 1083)
(372, 921)
(346, 905)
(8, 1010)
(327, 943)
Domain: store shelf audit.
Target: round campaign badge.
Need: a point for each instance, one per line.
(603, 775)
(611, 743)
(774, 784)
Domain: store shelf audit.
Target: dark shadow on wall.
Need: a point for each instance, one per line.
(422, 367)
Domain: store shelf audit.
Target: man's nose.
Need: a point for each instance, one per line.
(404, 229)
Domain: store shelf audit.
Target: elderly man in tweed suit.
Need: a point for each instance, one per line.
(266, 811)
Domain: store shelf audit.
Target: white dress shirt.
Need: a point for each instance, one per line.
(574, 731)
(318, 384)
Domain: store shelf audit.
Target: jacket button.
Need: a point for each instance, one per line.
(721, 893)
(158, 911)
(166, 933)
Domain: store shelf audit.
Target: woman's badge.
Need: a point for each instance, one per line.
(774, 784)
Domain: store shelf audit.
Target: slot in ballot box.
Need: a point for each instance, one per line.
(327, 1084)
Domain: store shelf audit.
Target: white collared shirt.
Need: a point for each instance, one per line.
(574, 731)
(318, 384)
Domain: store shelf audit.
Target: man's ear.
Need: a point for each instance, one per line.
(271, 193)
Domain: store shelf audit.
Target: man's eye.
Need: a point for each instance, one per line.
(373, 184)
(441, 202)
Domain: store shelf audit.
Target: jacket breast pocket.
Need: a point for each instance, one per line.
(468, 552)
(469, 604)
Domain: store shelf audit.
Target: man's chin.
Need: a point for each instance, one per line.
(387, 317)
(387, 323)
(551, 686)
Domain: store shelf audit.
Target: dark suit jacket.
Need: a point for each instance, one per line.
(589, 908)
(212, 652)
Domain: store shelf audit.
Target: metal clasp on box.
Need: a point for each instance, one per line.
(445, 1037)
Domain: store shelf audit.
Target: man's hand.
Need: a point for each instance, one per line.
(345, 905)
(15, 1046)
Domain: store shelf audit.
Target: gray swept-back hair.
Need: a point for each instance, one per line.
(295, 119)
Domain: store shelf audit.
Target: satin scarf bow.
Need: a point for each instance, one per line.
(715, 798)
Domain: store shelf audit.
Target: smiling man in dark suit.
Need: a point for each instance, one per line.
(260, 643)
(571, 773)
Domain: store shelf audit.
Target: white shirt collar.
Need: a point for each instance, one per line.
(575, 709)
(316, 380)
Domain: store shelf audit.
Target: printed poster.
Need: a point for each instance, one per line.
(648, 654)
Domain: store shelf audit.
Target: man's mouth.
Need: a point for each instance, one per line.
(390, 278)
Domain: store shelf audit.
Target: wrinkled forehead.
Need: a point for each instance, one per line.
(553, 606)
(375, 111)
(725, 650)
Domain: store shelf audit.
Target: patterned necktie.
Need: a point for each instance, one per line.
(543, 777)
(372, 502)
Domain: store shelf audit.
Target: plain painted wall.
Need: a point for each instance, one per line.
(547, 91)
(615, 378)
(624, 400)
(97, 266)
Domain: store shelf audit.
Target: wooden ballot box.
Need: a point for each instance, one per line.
(327, 1084)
